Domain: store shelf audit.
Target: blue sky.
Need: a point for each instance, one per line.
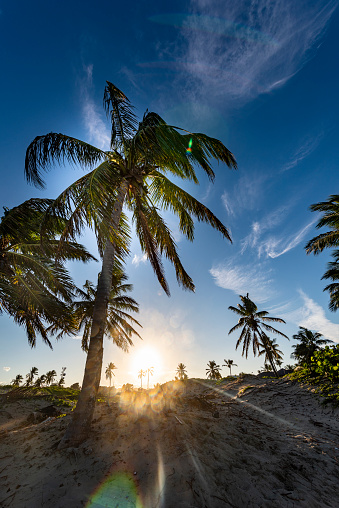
(262, 77)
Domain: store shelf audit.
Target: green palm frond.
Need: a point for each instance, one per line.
(50, 148)
(120, 111)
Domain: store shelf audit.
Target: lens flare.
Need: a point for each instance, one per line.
(117, 490)
(189, 149)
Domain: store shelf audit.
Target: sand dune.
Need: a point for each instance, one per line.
(244, 443)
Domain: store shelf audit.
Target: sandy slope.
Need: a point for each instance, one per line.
(272, 445)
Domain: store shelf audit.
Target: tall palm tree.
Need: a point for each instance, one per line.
(30, 376)
(309, 342)
(229, 363)
(149, 371)
(110, 372)
(62, 376)
(330, 219)
(131, 173)
(141, 374)
(181, 371)
(40, 381)
(273, 355)
(35, 289)
(253, 325)
(118, 320)
(213, 370)
(17, 380)
(50, 376)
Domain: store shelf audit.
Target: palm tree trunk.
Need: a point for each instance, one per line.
(79, 428)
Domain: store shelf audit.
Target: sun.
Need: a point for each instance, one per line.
(145, 358)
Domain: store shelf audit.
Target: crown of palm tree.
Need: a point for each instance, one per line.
(309, 342)
(213, 370)
(253, 324)
(330, 219)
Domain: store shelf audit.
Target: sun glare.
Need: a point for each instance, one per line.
(145, 358)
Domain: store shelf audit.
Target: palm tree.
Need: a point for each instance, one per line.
(330, 219)
(332, 273)
(141, 374)
(118, 320)
(273, 355)
(181, 371)
(62, 376)
(50, 376)
(132, 173)
(110, 372)
(213, 370)
(309, 343)
(40, 381)
(35, 289)
(149, 371)
(17, 380)
(253, 325)
(30, 376)
(229, 363)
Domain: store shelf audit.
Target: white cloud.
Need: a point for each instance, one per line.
(137, 259)
(306, 148)
(244, 279)
(97, 128)
(312, 316)
(7, 369)
(227, 203)
(238, 50)
(274, 247)
(169, 330)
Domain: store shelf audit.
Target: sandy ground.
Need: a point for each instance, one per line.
(244, 443)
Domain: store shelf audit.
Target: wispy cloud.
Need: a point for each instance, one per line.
(271, 220)
(312, 316)
(97, 128)
(244, 279)
(238, 50)
(7, 369)
(245, 195)
(274, 247)
(306, 148)
(137, 259)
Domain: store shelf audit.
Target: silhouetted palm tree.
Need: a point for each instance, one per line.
(17, 380)
(253, 324)
(213, 370)
(141, 374)
(181, 371)
(273, 355)
(229, 364)
(30, 376)
(118, 321)
(149, 371)
(309, 342)
(131, 173)
(50, 376)
(62, 377)
(40, 381)
(110, 372)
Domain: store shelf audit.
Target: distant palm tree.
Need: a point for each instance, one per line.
(149, 371)
(62, 377)
(50, 376)
(30, 376)
(181, 371)
(273, 355)
(133, 172)
(213, 370)
(229, 363)
(253, 325)
(119, 320)
(17, 380)
(110, 372)
(40, 381)
(141, 374)
(309, 343)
